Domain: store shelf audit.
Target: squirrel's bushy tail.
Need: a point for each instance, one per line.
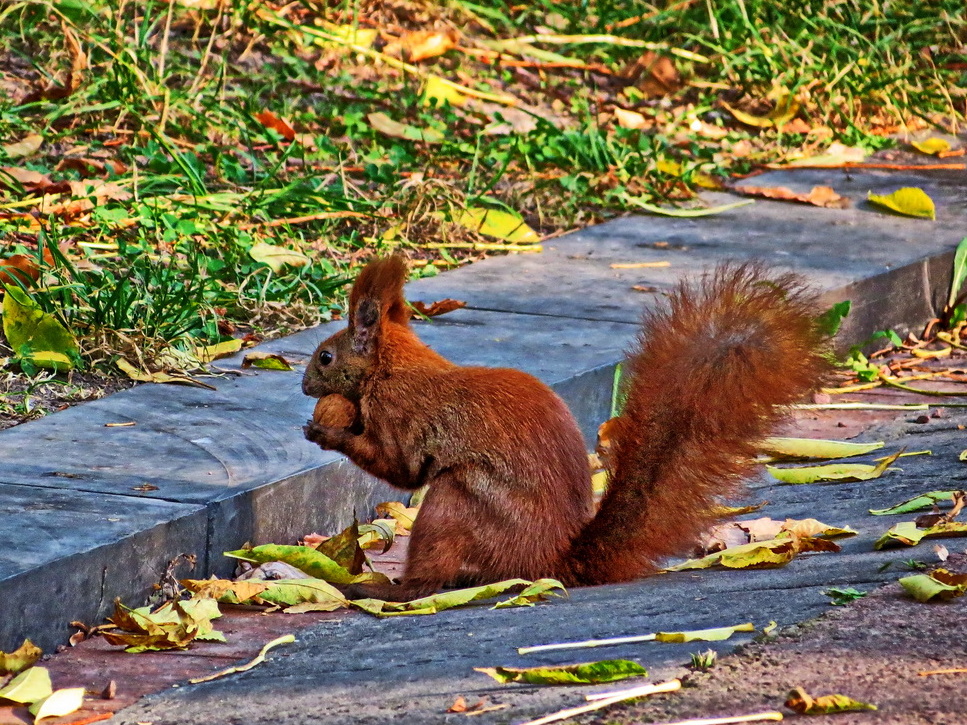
(710, 376)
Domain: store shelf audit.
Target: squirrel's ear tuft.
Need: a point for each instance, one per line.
(381, 282)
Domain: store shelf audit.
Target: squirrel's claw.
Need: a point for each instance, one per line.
(324, 436)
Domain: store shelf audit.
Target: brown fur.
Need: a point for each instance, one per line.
(510, 492)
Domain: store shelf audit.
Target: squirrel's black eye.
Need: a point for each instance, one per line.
(325, 357)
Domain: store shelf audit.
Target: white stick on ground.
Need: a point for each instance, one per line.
(587, 643)
(637, 691)
(610, 699)
(757, 717)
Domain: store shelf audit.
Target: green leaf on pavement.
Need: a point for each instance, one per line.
(295, 592)
(782, 447)
(58, 703)
(716, 634)
(759, 554)
(804, 704)
(923, 501)
(539, 591)
(454, 598)
(906, 533)
(20, 659)
(908, 201)
(840, 597)
(173, 625)
(938, 584)
(589, 673)
(28, 687)
(304, 558)
(265, 361)
(840, 472)
(344, 549)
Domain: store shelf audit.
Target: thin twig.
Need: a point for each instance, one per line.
(861, 406)
(284, 639)
(587, 643)
(196, 84)
(669, 686)
(757, 717)
(163, 50)
(892, 382)
(302, 219)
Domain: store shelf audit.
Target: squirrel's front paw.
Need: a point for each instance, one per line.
(324, 436)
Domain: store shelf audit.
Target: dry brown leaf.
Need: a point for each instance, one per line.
(804, 704)
(27, 178)
(761, 529)
(512, 119)
(654, 75)
(823, 196)
(313, 540)
(936, 518)
(27, 146)
(605, 431)
(100, 191)
(87, 166)
(721, 537)
(280, 125)
(460, 705)
(707, 130)
(796, 125)
(630, 119)
(402, 514)
(440, 307)
(55, 91)
(19, 269)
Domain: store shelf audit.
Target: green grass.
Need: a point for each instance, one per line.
(154, 106)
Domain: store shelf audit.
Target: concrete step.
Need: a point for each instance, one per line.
(95, 512)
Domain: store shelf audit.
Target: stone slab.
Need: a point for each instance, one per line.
(858, 253)
(238, 451)
(202, 446)
(67, 554)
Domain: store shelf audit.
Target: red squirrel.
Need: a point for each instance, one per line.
(509, 485)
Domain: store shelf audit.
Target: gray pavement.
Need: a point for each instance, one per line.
(409, 670)
(228, 466)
